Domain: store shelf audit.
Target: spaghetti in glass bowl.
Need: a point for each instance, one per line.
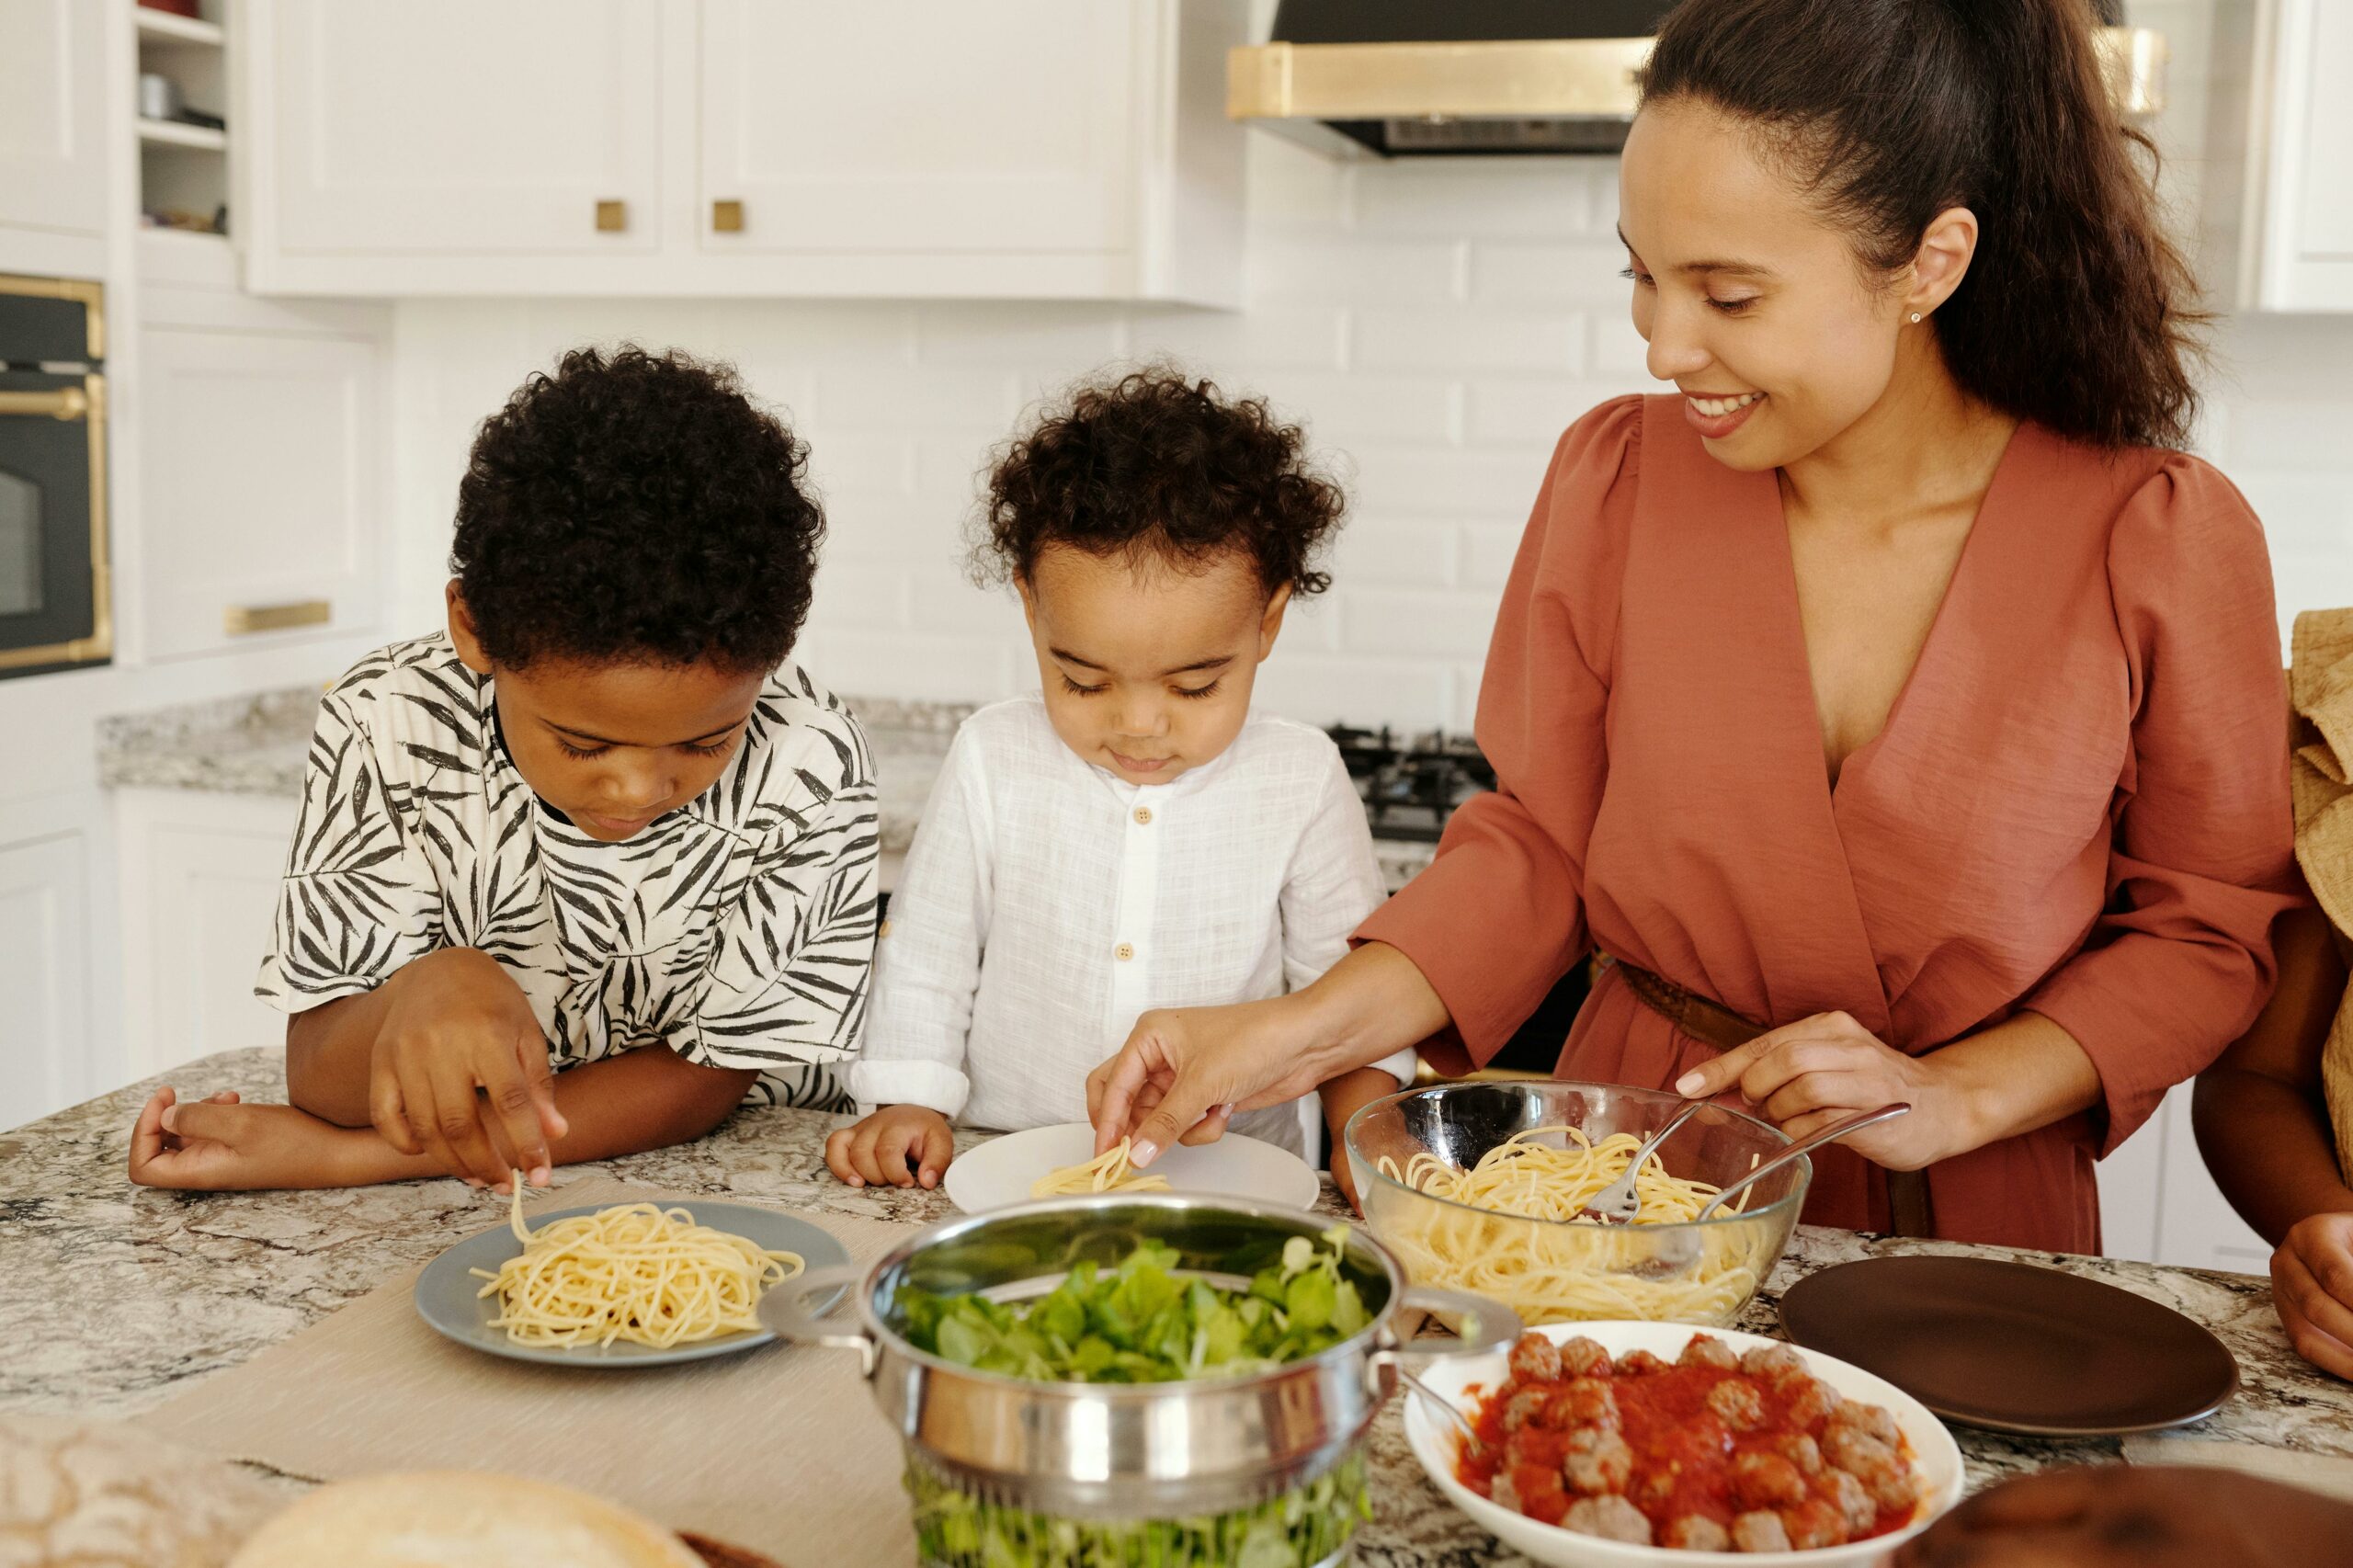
(1476, 1186)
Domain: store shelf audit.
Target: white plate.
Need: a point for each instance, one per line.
(1001, 1171)
(1936, 1457)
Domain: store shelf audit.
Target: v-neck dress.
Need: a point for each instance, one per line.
(2078, 805)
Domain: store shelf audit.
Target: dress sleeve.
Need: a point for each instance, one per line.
(788, 981)
(929, 968)
(2202, 856)
(358, 900)
(1498, 916)
(1333, 882)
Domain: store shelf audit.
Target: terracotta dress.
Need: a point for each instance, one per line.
(2079, 805)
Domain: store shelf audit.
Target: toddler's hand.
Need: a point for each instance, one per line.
(899, 1145)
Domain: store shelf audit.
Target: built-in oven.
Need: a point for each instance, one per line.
(54, 608)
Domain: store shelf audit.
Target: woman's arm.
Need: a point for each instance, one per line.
(2260, 1121)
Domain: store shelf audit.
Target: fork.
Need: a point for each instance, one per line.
(1616, 1204)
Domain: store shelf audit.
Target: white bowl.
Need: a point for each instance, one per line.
(1936, 1459)
(1001, 1171)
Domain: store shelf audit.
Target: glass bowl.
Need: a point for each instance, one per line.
(1562, 1271)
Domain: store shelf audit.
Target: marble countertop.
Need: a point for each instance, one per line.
(256, 744)
(169, 1287)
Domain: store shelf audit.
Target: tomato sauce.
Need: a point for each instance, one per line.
(1684, 1453)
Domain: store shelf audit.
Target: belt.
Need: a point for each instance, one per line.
(1712, 1023)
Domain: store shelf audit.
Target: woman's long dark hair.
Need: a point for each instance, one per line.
(2077, 312)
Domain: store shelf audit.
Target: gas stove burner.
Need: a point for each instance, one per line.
(1410, 785)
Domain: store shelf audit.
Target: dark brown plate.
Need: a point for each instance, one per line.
(2012, 1347)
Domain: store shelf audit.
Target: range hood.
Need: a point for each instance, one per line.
(1420, 78)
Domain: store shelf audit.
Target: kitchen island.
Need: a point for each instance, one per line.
(119, 1298)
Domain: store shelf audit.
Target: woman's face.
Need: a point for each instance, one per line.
(1753, 307)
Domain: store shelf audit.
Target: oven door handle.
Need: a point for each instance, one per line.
(65, 403)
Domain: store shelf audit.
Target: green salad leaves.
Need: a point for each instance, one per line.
(1143, 1323)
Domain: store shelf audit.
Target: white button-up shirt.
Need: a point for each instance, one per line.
(1046, 902)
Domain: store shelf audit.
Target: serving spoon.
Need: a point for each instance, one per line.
(1616, 1204)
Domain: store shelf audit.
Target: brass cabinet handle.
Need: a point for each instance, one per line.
(244, 620)
(727, 217)
(65, 403)
(612, 217)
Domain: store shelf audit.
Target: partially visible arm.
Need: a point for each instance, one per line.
(2261, 1120)
(328, 1052)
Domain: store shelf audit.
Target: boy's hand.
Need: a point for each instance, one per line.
(899, 1145)
(456, 1023)
(2312, 1284)
(219, 1145)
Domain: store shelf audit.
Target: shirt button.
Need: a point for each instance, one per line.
(1124, 952)
(1143, 816)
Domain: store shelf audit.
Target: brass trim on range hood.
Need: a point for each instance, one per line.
(1294, 88)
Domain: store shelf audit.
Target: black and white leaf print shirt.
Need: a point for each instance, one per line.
(737, 930)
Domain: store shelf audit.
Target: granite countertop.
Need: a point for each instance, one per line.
(168, 1288)
(256, 744)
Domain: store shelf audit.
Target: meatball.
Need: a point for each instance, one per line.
(1759, 1531)
(1536, 1489)
(1696, 1532)
(1653, 1489)
(1769, 1361)
(1504, 1494)
(1707, 1350)
(1879, 1467)
(1854, 1501)
(1611, 1518)
(1596, 1460)
(1535, 1359)
(1765, 1481)
(1868, 1418)
(1583, 1357)
(1582, 1401)
(1637, 1363)
(1738, 1404)
(1810, 1401)
(1524, 1406)
(1800, 1450)
(1812, 1523)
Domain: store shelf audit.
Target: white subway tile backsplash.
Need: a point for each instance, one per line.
(1220, 343)
(1342, 411)
(902, 398)
(1586, 274)
(852, 595)
(1620, 352)
(1526, 410)
(1487, 552)
(1395, 554)
(1487, 485)
(848, 464)
(1395, 621)
(1324, 689)
(1345, 270)
(1475, 198)
(943, 599)
(1067, 338)
(1447, 340)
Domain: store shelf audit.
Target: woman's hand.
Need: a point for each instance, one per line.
(1803, 1076)
(221, 1145)
(1184, 1070)
(2136, 1516)
(2312, 1284)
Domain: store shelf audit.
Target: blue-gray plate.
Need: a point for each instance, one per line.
(446, 1293)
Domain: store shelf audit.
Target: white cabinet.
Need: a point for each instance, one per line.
(53, 132)
(2159, 1204)
(1041, 149)
(2287, 122)
(45, 1036)
(262, 487)
(441, 126)
(199, 890)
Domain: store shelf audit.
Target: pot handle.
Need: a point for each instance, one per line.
(1490, 1327)
(784, 1310)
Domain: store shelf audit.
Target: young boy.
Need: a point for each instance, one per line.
(1133, 837)
(574, 878)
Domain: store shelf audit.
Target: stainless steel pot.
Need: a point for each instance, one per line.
(1142, 1450)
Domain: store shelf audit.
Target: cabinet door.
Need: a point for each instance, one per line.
(914, 126)
(459, 127)
(263, 496)
(2307, 205)
(199, 890)
(44, 976)
(53, 108)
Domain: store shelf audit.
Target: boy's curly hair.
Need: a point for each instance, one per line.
(635, 506)
(1155, 461)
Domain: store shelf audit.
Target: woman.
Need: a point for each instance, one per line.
(1898, 690)
(2275, 1115)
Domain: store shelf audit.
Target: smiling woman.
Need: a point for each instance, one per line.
(1895, 707)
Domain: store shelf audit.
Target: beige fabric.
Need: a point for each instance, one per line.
(86, 1493)
(2321, 775)
(778, 1449)
(458, 1520)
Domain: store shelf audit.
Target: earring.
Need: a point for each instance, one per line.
(1915, 318)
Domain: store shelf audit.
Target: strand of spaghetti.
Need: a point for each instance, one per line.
(1567, 1270)
(634, 1272)
(1110, 1171)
